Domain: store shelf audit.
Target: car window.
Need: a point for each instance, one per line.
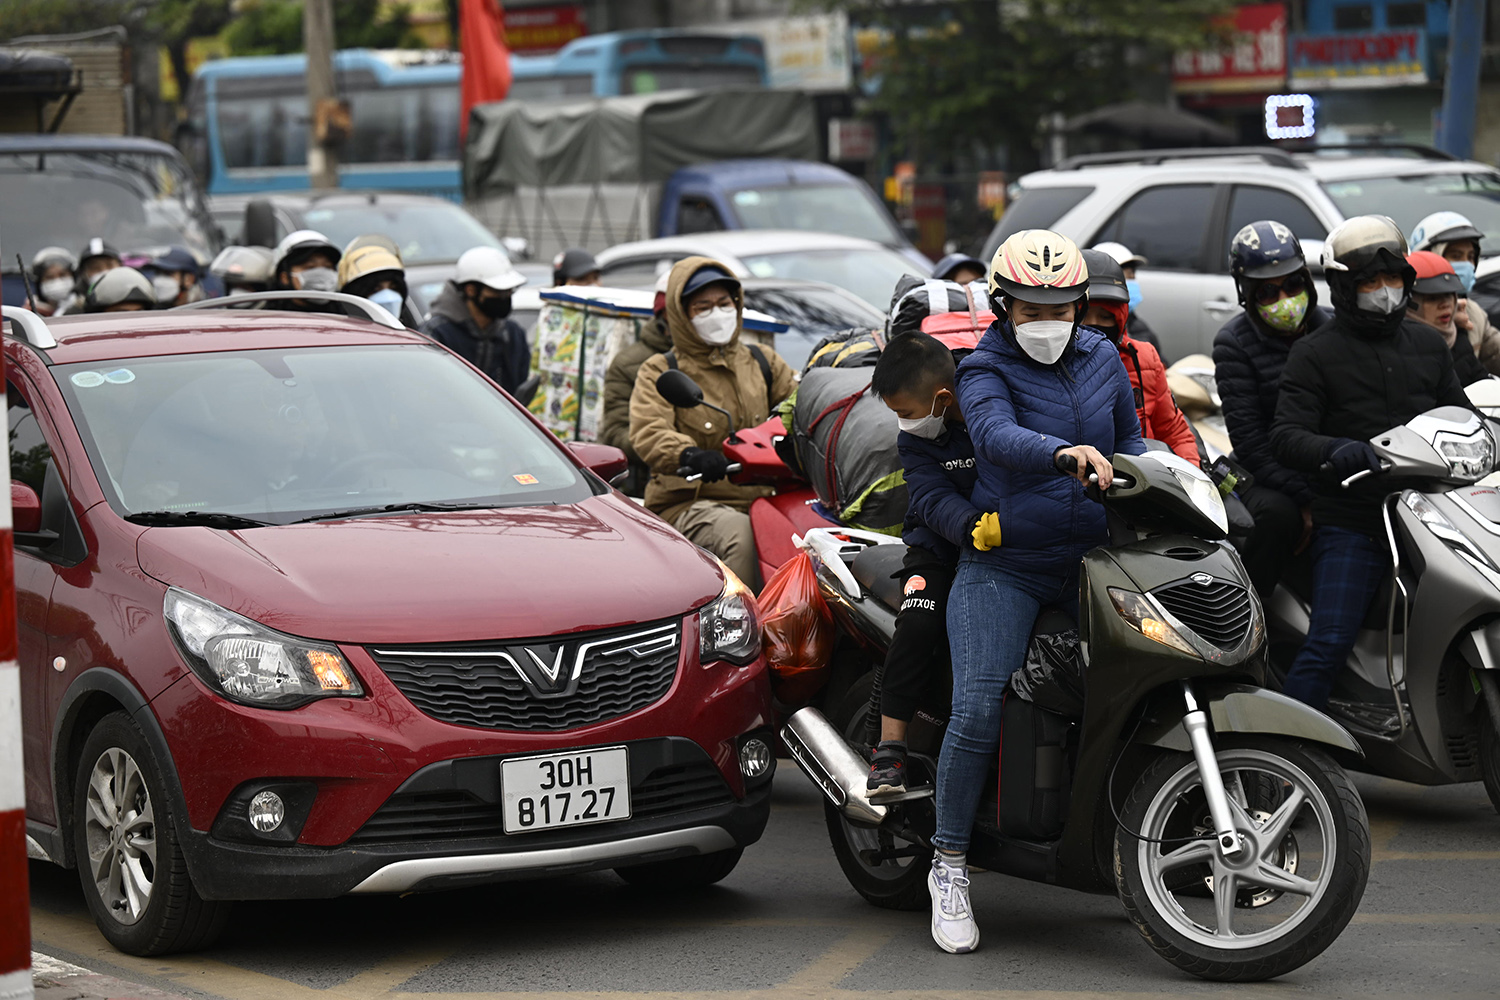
(1251, 203)
(29, 453)
(696, 215)
(1167, 225)
(637, 272)
(277, 435)
(870, 274)
(425, 232)
(1034, 208)
(1408, 200)
(850, 209)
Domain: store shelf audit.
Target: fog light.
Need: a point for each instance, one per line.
(755, 758)
(266, 812)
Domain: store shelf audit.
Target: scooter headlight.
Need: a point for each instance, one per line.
(1146, 620)
(1469, 457)
(1205, 496)
(1438, 523)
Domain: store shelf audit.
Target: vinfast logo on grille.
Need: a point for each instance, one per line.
(542, 671)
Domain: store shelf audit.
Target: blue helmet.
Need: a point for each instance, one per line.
(943, 269)
(1264, 249)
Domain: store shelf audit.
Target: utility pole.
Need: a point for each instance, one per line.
(1461, 89)
(322, 97)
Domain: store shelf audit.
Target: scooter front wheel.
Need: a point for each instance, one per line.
(1277, 902)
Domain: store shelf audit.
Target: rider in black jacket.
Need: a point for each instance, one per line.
(1281, 305)
(1367, 371)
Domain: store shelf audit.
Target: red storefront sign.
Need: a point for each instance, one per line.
(1254, 61)
(536, 30)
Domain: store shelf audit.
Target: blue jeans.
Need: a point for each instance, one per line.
(1348, 568)
(991, 612)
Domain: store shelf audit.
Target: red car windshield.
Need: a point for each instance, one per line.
(279, 435)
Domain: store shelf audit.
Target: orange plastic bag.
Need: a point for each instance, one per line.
(798, 630)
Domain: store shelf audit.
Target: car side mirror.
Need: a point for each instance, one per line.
(603, 460)
(25, 509)
(26, 517)
(679, 389)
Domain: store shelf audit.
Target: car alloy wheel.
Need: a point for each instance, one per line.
(121, 835)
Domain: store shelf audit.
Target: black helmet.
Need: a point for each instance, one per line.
(117, 287)
(1266, 249)
(1106, 277)
(1357, 249)
(944, 269)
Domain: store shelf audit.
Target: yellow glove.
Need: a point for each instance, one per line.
(987, 532)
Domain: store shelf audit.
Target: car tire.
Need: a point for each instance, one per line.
(130, 865)
(683, 873)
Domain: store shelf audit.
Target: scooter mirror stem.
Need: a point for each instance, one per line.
(1196, 724)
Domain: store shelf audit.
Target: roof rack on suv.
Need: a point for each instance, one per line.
(353, 305)
(1423, 152)
(29, 326)
(1150, 157)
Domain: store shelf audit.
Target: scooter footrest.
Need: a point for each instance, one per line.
(909, 795)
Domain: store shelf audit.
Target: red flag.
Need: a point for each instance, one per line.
(481, 32)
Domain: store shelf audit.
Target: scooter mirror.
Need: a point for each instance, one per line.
(679, 389)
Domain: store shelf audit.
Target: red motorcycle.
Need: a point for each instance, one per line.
(754, 461)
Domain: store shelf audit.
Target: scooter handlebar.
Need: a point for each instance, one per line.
(1385, 466)
(686, 471)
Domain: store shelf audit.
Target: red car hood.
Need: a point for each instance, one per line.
(444, 577)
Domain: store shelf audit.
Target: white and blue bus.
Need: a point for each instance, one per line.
(247, 116)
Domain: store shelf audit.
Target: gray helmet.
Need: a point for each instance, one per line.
(47, 256)
(243, 266)
(118, 286)
(1365, 244)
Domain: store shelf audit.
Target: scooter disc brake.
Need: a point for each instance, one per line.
(1251, 897)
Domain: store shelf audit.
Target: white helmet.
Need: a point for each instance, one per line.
(118, 286)
(1443, 227)
(488, 266)
(298, 245)
(1038, 265)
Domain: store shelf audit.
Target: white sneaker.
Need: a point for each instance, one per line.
(953, 926)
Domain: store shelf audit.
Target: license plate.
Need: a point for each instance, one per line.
(565, 789)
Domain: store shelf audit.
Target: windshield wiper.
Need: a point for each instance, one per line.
(205, 518)
(390, 508)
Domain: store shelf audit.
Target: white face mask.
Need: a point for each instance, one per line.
(57, 290)
(717, 326)
(1044, 340)
(929, 427)
(166, 287)
(319, 279)
(1384, 299)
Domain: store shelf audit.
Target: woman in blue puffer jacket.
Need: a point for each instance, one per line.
(1039, 387)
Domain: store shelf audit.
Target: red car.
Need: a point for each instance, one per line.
(308, 607)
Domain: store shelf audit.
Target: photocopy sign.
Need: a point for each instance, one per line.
(1358, 59)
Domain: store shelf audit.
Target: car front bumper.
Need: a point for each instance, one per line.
(441, 829)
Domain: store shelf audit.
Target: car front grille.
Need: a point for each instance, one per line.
(562, 682)
(456, 814)
(1218, 611)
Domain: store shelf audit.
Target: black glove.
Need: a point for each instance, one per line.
(711, 465)
(1347, 457)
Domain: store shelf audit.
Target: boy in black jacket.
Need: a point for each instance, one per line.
(915, 378)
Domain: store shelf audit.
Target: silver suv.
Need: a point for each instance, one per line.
(1180, 208)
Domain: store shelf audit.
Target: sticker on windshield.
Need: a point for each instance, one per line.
(87, 380)
(119, 376)
(526, 479)
(747, 198)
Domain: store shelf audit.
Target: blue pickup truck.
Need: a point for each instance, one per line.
(778, 194)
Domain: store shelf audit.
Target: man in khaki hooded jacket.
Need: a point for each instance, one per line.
(704, 308)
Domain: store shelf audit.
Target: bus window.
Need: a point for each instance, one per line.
(650, 79)
(547, 88)
(403, 125)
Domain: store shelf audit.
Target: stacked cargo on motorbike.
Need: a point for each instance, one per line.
(843, 437)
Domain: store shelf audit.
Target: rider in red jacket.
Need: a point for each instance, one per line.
(1109, 311)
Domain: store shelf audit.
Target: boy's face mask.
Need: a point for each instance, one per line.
(929, 427)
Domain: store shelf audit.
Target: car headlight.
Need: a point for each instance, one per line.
(248, 663)
(1469, 457)
(1142, 617)
(729, 628)
(1205, 496)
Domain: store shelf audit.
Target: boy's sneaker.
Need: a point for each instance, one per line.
(887, 770)
(953, 926)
